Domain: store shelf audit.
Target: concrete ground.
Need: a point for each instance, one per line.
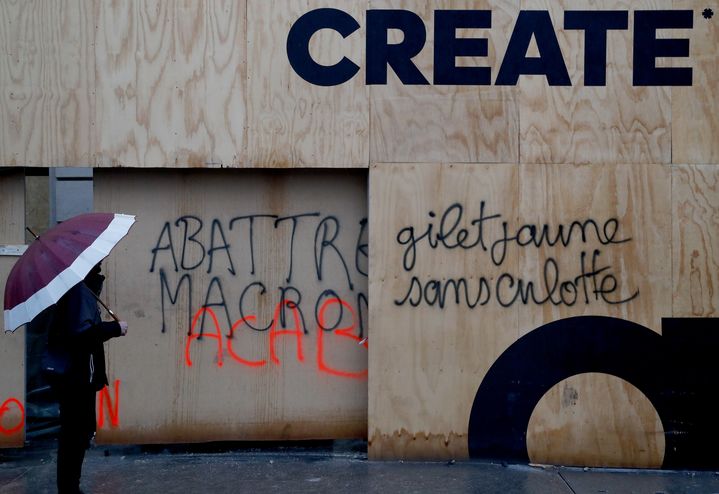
(339, 467)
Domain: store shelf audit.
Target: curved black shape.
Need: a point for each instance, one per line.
(298, 47)
(677, 372)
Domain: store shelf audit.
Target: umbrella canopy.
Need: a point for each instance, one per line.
(58, 260)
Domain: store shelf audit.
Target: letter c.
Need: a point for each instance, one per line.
(298, 52)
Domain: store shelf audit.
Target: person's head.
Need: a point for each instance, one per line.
(94, 279)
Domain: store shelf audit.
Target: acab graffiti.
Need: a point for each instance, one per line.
(278, 330)
(228, 264)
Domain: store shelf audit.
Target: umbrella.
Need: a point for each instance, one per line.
(58, 260)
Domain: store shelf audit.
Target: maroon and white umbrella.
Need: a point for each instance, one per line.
(58, 260)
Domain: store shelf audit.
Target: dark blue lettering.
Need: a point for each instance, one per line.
(447, 47)
(595, 25)
(550, 62)
(398, 56)
(647, 47)
(298, 49)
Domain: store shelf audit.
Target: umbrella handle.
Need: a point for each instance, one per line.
(109, 311)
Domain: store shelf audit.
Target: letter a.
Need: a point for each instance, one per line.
(194, 336)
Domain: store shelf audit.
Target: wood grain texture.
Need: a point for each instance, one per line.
(441, 123)
(12, 345)
(170, 83)
(695, 109)
(638, 198)
(427, 361)
(596, 420)
(695, 259)
(613, 424)
(145, 83)
(47, 83)
(293, 123)
(218, 397)
(617, 123)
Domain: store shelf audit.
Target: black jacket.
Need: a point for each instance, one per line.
(76, 335)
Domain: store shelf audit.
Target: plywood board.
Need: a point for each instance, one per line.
(607, 421)
(695, 240)
(12, 345)
(615, 123)
(635, 198)
(447, 123)
(538, 225)
(170, 83)
(427, 360)
(263, 383)
(598, 420)
(695, 110)
(293, 123)
(47, 83)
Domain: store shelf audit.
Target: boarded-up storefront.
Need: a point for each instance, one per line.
(516, 308)
(474, 257)
(537, 261)
(246, 296)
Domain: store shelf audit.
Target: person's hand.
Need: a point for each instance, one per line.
(123, 328)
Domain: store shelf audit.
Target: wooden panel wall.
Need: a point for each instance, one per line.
(432, 349)
(47, 76)
(616, 123)
(171, 83)
(608, 422)
(178, 84)
(290, 122)
(599, 420)
(285, 379)
(12, 345)
(639, 198)
(695, 111)
(695, 240)
(208, 84)
(170, 87)
(456, 123)
(627, 137)
(423, 359)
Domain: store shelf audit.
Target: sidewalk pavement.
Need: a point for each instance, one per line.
(338, 467)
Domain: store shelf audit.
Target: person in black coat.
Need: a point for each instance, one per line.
(75, 363)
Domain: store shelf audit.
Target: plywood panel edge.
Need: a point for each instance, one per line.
(12, 345)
